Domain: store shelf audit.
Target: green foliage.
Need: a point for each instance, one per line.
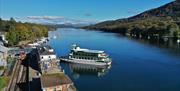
(1, 67)
(162, 21)
(161, 26)
(12, 36)
(3, 82)
(17, 31)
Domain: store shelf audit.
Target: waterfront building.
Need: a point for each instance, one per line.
(2, 37)
(46, 53)
(47, 58)
(3, 55)
(56, 82)
(52, 77)
(1, 43)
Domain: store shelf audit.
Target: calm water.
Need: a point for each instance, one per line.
(137, 66)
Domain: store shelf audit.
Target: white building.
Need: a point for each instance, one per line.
(47, 53)
(3, 38)
(47, 56)
(3, 55)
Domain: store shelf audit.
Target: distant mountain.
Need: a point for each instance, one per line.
(57, 21)
(171, 9)
(158, 20)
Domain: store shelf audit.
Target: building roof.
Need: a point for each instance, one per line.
(45, 50)
(53, 70)
(2, 33)
(1, 43)
(51, 80)
(47, 53)
(47, 47)
(3, 49)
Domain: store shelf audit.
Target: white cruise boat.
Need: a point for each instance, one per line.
(86, 56)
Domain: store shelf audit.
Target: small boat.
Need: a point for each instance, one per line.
(178, 41)
(54, 37)
(87, 56)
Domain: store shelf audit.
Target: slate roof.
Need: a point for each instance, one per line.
(56, 79)
(3, 49)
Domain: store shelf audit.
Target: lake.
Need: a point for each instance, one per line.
(136, 66)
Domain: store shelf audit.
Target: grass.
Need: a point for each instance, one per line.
(3, 82)
(1, 67)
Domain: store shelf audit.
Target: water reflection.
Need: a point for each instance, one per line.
(171, 45)
(82, 69)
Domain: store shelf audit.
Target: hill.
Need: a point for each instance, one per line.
(161, 21)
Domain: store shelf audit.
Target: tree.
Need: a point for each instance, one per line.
(12, 36)
(12, 21)
(17, 31)
(173, 28)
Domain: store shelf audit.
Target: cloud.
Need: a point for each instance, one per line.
(58, 20)
(45, 17)
(17, 17)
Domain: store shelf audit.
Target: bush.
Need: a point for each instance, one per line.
(3, 82)
(1, 67)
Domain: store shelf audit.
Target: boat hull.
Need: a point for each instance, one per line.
(85, 62)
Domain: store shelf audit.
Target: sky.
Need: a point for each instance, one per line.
(98, 10)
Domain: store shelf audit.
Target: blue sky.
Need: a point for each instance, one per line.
(77, 9)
